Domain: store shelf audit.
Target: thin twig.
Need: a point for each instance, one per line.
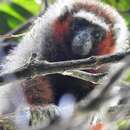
(8, 36)
(23, 27)
(46, 4)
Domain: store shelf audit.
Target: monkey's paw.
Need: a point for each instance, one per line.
(43, 115)
(6, 124)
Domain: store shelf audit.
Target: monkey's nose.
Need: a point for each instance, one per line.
(82, 49)
(82, 44)
(77, 50)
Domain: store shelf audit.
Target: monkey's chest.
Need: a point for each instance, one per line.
(68, 85)
(50, 89)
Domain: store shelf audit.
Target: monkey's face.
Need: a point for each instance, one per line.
(80, 33)
(80, 29)
(86, 37)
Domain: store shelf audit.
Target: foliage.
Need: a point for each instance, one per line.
(13, 13)
(123, 6)
(16, 12)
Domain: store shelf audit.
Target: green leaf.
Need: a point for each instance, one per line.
(16, 13)
(9, 10)
(7, 22)
(29, 5)
(21, 11)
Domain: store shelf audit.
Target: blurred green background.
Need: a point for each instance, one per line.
(14, 13)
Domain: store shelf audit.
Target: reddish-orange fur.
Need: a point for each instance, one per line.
(107, 46)
(60, 29)
(38, 91)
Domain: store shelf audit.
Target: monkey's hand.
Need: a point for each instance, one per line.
(6, 124)
(43, 115)
(39, 116)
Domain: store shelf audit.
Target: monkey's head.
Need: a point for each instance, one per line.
(75, 29)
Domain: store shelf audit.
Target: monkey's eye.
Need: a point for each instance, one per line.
(79, 24)
(97, 35)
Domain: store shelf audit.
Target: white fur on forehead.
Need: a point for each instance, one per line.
(91, 17)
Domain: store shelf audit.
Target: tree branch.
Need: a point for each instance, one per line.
(102, 94)
(43, 67)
